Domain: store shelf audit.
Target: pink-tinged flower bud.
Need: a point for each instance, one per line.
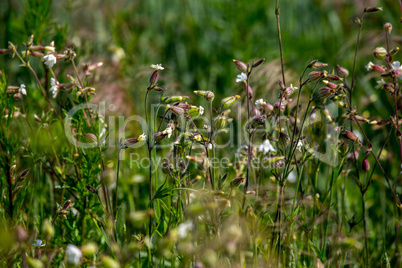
(372, 9)
(185, 106)
(288, 91)
(311, 63)
(388, 27)
(318, 65)
(154, 78)
(91, 137)
(156, 88)
(241, 66)
(250, 91)
(281, 85)
(67, 204)
(267, 109)
(333, 77)
(209, 96)
(341, 71)
(236, 182)
(91, 189)
(380, 53)
(379, 69)
(279, 107)
(5, 51)
(158, 136)
(330, 84)
(350, 135)
(365, 165)
(255, 112)
(176, 110)
(258, 62)
(127, 143)
(315, 76)
(325, 92)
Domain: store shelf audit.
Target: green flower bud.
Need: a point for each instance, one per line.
(108, 262)
(89, 249)
(380, 53)
(227, 102)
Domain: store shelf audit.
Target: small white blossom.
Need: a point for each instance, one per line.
(266, 147)
(198, 137)
(201, 111)
(54, 88)
(142, 137)
(380, 84)
(157, 66)
(294, 88)
(74, 254)
(38, 243)
(183, 229)
(50, 60)
(292, 178)
(299, 145)
(241, 77)
(260, 102)
(369, 66)
(210, 146)
(22, 89)
(168, 132)
(396, 65)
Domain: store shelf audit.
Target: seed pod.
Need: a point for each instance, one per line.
(241, 66)
(325, 92)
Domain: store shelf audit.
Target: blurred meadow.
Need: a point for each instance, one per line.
(196, 42)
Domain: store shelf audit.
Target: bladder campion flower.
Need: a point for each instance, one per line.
(54, 87)
(74, 254)
(50, 60)
(168, 132)
(157, 67)
(266, 147)
(22, 89)
(241, 77)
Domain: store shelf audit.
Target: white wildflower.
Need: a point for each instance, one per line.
(241, 77)
(168, 132)
(142, 137)
(292, 178)
(369, 66)
(380, 83)
(50, 60)
(210, 146)
(38, 243)
(157, 66)
(396, 65)
(299, 145)
(22, 89)
(260, 102)
(201, 110)
(294, 88)
(74, 254)
(266, 147)
(198, 137)
(54, 88)
(183, 229)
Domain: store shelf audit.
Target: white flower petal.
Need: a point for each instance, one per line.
(241, 77)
